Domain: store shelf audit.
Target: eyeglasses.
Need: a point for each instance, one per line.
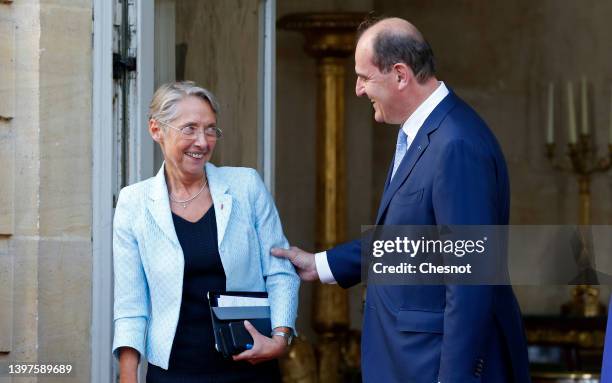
(191, 132)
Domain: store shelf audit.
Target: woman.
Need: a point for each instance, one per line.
(195, 228)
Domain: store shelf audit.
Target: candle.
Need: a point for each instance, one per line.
(571, 113)
(550, 134)
(585, 109)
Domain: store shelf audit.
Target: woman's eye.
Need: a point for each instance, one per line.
(188, 130)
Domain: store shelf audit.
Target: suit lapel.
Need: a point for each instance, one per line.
(389, 173)
(159, 206)
(222, 200)
(387, 182)
(416, 150)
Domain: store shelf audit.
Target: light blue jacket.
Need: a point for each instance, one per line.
(149, 262)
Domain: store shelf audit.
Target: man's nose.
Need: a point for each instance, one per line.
(359, 91)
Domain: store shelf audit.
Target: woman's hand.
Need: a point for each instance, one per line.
(264, 348)
(128, 365)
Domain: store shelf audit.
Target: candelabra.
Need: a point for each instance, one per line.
(584, 164)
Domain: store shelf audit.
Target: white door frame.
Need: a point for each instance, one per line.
(142, 144)
(102, 194)
(267, 92)
(141, 156)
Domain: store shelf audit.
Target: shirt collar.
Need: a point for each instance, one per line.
(412, 125)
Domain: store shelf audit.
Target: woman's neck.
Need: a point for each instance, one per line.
(182, 185)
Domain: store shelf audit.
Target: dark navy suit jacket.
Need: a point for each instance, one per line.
(606, 368)
(453, 173)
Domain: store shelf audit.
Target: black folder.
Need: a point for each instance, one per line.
(231, 337)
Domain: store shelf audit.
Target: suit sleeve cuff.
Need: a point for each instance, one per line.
(325, 273)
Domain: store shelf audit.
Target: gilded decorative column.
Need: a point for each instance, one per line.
(330, 38)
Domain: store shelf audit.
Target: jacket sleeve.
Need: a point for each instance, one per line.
(345, 263)
(465, 193)
(131, 305)
(282, 282)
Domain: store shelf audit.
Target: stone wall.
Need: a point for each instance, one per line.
(47, 247)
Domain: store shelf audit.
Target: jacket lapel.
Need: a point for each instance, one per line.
(222, 200)
(417, 147)
(389, 173)
(159, 206)
(416, 150)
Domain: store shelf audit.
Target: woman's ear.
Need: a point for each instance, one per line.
(155, 131)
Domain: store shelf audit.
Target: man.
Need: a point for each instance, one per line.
(447, 169)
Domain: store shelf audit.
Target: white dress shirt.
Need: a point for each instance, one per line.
(411, 127)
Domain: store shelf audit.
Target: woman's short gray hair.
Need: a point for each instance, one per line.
(163, 106)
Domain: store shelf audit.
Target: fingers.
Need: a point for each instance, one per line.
(303, 262)
(251, 354)
(264, 348)
(282, 253)
(245, 355)
(253, 331)
(253, 361)
(250, 357)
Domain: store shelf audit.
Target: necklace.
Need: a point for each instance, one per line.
(187, 201)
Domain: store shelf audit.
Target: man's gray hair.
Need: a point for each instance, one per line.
(391, 47)
(163, 106)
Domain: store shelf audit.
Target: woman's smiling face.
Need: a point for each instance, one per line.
(187, 155)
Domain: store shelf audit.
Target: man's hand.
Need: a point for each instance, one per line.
(264, 348)
(303, 262)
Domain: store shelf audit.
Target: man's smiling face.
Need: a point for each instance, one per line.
(380, 88)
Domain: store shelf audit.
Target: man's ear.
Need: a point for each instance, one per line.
(403, 75)
(155, 131)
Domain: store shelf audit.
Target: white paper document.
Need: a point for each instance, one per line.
(237, 301)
